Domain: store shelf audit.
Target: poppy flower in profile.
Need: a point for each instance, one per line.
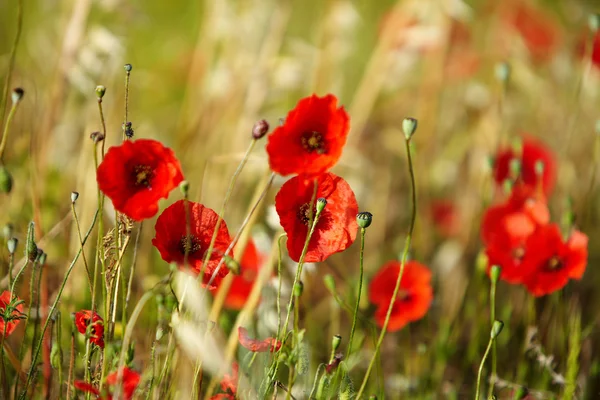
(130, 381)
(136, 175)
(83, 318)
(311, 139)
(241, 286)
(414, 297)
(228, 385)
(172, 240)
(255, 345)
(550, 261)
(336, 227)
(14, 310)
(531, 154)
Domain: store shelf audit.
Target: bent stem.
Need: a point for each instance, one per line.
(493, 377)
(402, 264)
(360, 282)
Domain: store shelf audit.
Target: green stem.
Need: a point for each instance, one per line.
(87, 268)
(487, 350)
(493, 318)
(402, 264)
(314, 387)
(360, 282)
(11, 61)
(11, 114)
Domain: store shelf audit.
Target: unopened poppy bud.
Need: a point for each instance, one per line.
(496, 329)
(56, 356)
(502, 71)
(260, 129)
(31, 250)
(495, 273)
(97, 137)
(74, 197)
(335, 342)
(363, 219)
(232, 265)
(128, 68)
(594, 22)
(12, 245)
(329, 282)
(184, 186)
(6, 180)
(321, 203)
(539, 168)
(100, 91)
(409, 126)
(298, 289)
(7, 230)
(17, 94)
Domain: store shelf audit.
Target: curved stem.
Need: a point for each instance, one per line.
(402, 264)
(87, 268)
(360, 281)
(11, 114)
(493, 318)
(487, 350)
(11, 61)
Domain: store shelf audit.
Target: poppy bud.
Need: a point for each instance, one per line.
(507, 186)
(128, 68)
(100, 91)
(260, 129)
(31, 250)
(184, 186)
(335, 342)
(502, 71)
(298, 289)
(7, 231)
(302, 364)
(56, 357)
(363, 219)
(594, 22)
(97, 137)
(12, 245)
(495, 273)
(6, 180)
(329, 282)
(16, 95)
(409, 126)
(74, 197)
(496, 329)
(515, 168)
(321, 203)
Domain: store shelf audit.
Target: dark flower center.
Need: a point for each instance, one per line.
(403, 295)
(554, 264)
(189, 244)
(304, 213)
(518, 254)
(313, 141)
(143, 174)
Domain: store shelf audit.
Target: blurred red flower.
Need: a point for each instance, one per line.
(550, 261)
(82, 320)
(414, 297)
(532, 152)
(241, 285)
(136, 175)
(15, 315)
(228, 385)
(255, 345)
(445, 217)
(130, 381)
(595, 50)
(311, 139)
(336, 228)
(172, 240)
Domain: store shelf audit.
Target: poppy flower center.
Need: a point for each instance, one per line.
(554, 264)
(143, 174)
(518, 253)
(403, 295)
(189, 244)
(313, 141)
(304, 213)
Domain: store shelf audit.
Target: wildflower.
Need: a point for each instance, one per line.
(336, 227)
(550, 261)
(311, 139)
(130, 381)
(533, 155)
(255, 345)
(136, 175)
(228, 385)
(11, 312)
(413, 299)
(173, 242)
(241, 286)
(82, 320)
(446, 217)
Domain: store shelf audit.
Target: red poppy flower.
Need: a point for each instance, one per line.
(336, 228)
(550, 261)
(15, 315)
(311, 139)
(82, 320)
(136, 175)
(228, 385)
(532, 152)
(255, 345)
(130, 381)
(241, 286)
(446, 217)
(414, 297)
(172, 240)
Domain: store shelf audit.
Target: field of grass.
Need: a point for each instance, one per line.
(436, 237)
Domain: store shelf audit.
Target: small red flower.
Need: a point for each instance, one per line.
(241, 286)
(228, 385)
(446, 217)
(336, 228)
(550, 261)
(414, 297)
(255, 345)
(82, 320)
(532, 152)
(310, 141)
(15, 315)
(136, 175)
(172, 239)
(130, 381)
